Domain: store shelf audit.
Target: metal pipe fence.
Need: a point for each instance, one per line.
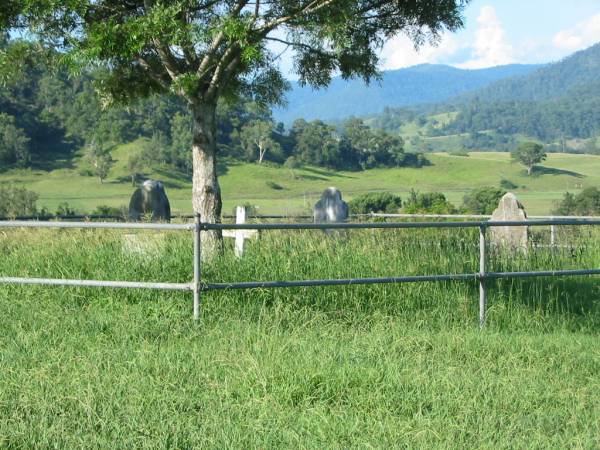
(197, 286)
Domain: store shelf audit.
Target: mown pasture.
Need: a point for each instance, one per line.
(253, 184)
(363, 366)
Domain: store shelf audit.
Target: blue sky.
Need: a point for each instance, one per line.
(507, 31)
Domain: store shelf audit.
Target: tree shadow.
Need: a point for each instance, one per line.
(58, 158)
(541, 170)
(322, 173)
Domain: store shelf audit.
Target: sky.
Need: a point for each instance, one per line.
(498, 32)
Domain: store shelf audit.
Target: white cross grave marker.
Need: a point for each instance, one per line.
(240, 235)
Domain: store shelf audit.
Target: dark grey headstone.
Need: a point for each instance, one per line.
(330, 208)
(150, 198)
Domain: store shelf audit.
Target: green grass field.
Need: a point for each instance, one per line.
(247, 183)
(383, 366)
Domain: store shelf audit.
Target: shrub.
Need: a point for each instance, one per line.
(586, 203)
(483, 200)
(507, 184)
(428, 203)
(274, 185)
(15, 201)
(65, 210)
(105, 210)
(379, 202)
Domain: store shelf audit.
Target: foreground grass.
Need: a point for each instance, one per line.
(369, 367)
(246, 183)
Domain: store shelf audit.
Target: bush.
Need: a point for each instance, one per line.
(16, 201)
(274, 185)
(105, 210)
(428, 203)
(378, 202)
(507, 184)
(65, 210)
(586, 203)
(483, 200)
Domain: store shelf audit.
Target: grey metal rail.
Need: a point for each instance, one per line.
(113, 225)
(98, 283)
(392, 280)
(197, 286)
(345, 225)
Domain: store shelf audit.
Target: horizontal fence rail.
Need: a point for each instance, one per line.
(350, 226)
(197, 286)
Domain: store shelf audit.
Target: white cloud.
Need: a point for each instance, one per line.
(580, 36)
(490, 47)
(400, 52)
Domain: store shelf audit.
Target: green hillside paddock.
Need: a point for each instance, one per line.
(247, 183)
(387, 366)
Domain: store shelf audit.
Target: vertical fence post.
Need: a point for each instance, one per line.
(240, 235)
(482, 292)
(552, 234)
(197, 257)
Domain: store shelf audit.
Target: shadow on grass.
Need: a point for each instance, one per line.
(541, 170)
(321, 173)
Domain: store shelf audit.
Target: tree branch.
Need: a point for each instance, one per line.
(156, 76)
(311, 7)
(227, 63)
(207, 61)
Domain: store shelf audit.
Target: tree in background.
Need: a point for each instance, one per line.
(135, 164)
(291, 164)
(15, 201)
(257, 136)
(376, 202)
(204, 51)
(14, 144)
(428, 203)
(181, 141)
(100, 159)
(586, 203)
(483, 200)
(529, 154)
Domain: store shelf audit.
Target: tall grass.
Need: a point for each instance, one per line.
(361, 366)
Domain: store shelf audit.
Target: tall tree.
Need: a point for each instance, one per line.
(529, 154)
(256, 135)
(206, 50)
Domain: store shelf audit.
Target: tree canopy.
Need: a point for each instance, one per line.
(206, 50)
(529, 154)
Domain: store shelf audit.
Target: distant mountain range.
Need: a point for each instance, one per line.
(426, 83)
(558, 101)
(551, 81)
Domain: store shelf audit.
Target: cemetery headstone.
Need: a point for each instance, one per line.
(150, 198)
(511, 238)
(330, 208)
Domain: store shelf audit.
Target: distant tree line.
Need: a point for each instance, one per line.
(45, 114)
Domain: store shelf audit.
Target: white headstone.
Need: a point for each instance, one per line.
(512, 238)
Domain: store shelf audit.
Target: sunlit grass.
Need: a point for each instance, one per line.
(363, 366)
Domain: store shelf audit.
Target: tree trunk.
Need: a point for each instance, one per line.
(261, 154)
(529, 170)
(206, 192)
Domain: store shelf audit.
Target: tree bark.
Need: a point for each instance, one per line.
(206, 192)
(529, 170)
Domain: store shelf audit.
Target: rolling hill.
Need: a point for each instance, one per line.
(554, 103)
(424, 83)
(253, 184)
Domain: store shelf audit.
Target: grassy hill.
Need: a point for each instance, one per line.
(251, 183)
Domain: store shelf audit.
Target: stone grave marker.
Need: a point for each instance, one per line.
(511, 238)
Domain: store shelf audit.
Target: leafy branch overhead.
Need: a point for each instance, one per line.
(205, 49)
